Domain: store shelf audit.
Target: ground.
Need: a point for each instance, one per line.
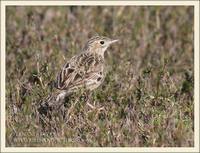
(147, 98)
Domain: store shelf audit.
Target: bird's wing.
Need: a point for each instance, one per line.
(89, 81)
(82, 70)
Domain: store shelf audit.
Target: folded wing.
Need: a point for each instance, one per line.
(82, 71)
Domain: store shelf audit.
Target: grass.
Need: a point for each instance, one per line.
(147, 96)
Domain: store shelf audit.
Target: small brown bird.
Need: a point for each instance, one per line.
(85, 70)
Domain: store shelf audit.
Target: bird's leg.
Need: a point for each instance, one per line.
(88, 99)
(92, 106)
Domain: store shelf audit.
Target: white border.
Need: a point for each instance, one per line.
(100, 149)
(94, 3)
(196, 76)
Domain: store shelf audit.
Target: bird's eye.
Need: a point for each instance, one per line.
(102, 42)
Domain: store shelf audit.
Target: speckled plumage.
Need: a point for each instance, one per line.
(85, 70)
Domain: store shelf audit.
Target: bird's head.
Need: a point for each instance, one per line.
(98, 44)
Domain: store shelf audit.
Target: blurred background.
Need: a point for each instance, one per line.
(148, 92)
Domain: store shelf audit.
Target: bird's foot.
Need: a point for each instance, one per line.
(94, 107)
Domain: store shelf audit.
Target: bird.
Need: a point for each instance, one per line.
(85, 70)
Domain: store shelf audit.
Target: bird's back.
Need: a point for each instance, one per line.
(83, 70)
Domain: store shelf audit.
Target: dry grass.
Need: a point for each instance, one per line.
(147, 97)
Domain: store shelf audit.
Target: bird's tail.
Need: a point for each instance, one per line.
(54, 100)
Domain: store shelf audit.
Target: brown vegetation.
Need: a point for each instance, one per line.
(147, 97)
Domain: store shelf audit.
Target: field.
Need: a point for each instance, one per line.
(147, 98)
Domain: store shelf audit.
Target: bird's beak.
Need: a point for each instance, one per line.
(113, 41)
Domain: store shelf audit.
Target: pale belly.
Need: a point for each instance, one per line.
(93, 84)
